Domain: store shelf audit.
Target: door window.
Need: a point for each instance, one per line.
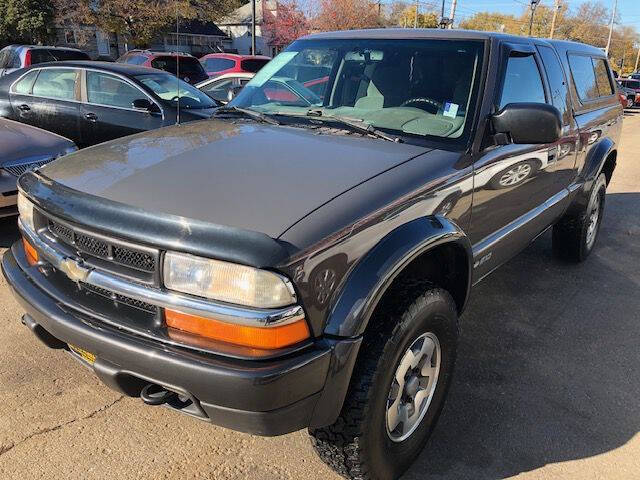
(584, 77)
(59, 83)
(602, 77)
(557, 81)
(522, 82)
(105, 89)
(23, 86)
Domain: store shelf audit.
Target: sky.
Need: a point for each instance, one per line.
(629, 9)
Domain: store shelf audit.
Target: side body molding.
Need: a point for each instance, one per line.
(369, 279)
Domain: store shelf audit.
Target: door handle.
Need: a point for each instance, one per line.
(24, 107)
(92, 117)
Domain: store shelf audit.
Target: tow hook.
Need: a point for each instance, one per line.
(154, 394)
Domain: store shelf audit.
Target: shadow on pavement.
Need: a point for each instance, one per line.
(548, 363)
(8, 231)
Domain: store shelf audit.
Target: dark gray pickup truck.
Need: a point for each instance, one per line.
(302, 260)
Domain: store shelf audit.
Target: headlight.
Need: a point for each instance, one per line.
(226, 282)
(25, 208)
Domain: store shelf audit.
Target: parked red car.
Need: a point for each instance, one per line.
(190, 69)
(218, 63)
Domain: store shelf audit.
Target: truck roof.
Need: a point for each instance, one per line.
(436, 33)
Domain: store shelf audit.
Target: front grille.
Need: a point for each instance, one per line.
(98, 247)
(17, 170)
(119, 299)
(92, 245)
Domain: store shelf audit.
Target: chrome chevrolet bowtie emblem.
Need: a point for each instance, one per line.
(74, 270)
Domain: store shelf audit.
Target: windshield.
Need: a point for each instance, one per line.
(170, 88)
(417, 87)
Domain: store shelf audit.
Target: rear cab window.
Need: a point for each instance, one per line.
(591, 77)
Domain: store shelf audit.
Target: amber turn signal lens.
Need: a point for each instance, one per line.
(268, 338)
(30, 252)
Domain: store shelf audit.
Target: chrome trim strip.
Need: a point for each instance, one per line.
(76, 271)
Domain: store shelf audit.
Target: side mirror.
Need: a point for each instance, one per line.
(144, 104)
(528, 123)
(232, 92)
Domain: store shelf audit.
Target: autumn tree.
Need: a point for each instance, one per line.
(138, 21)
(26, 21)
(346, 15)
(284, 24)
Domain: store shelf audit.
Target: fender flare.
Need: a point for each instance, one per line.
(373, 274)
(593, 165)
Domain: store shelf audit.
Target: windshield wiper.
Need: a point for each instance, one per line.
(261, 117)
(355, 124)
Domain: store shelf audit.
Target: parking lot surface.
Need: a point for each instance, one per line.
(547, 383)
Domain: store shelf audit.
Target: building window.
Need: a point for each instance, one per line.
(70, 37)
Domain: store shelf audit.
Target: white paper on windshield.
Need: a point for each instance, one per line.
(271, 68)
(451, 109)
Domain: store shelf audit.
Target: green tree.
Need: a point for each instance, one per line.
(26, 21)
(138, 21)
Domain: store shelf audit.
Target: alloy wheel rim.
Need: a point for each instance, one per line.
(413, 386)
(515, 175)
(592, 227)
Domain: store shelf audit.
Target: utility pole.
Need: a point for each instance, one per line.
(534, 5)
(415, 19)
(637, 60)
(452, 14)
(556, 9)
(613, 17)
(442, 12)
(253, 27)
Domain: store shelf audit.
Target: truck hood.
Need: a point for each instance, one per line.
(238, 174)
(21, 143)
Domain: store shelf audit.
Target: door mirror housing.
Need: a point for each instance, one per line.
(144, 104)
(525, 123)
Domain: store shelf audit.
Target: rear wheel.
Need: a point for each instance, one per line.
(575, 235)
(397, 391)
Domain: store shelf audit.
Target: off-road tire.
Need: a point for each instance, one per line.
(357, 445)
(570, 234)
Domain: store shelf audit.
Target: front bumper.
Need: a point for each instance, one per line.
(265, 397)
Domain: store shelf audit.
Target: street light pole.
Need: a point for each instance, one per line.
(556, 9)
(452, 15)
(637, 60)
(253, 27)
(534, 4)
(613, 17)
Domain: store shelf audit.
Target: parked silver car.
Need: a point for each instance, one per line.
(14, 57)
(24, 148)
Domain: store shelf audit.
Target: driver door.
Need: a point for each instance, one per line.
(516, 192)
(107, 112)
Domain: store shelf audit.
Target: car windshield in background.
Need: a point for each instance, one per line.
(418, 87)
(42, 55)
(188, 65)
(170, 89)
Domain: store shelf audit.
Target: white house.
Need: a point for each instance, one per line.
(237, 25)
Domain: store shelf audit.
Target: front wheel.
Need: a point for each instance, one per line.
(397, 391)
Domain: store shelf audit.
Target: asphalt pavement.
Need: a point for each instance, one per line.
(547, 383)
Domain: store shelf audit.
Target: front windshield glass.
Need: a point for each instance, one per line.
(170, 88)
(420, 87)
